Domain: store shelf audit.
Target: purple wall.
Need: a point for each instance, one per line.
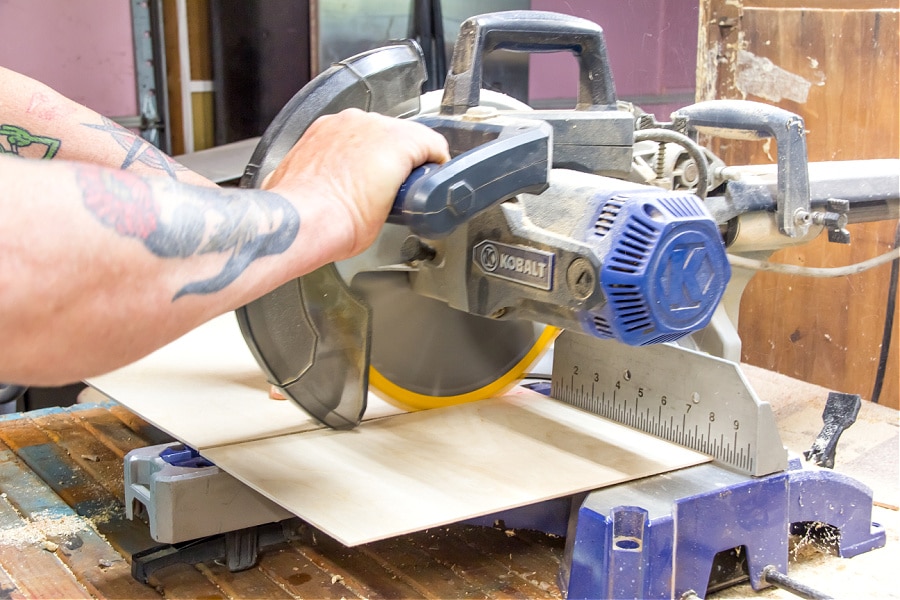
(652, 48)
(82, 48)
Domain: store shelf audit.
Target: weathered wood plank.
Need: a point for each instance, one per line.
(252, 583)
(475, 567)
(76, 488)
(38, 572)
(356, 570)
(115, 433)
(414, 565)
(8, 588)
(184, 582)
(86, 451)
(300, 577)
(532, 563)
(96, 565)
(25, 553)
(142, 428)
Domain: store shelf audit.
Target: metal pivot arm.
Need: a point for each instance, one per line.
(741, 119)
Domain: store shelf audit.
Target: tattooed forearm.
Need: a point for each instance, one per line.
(20, 142)
(242, 226)
(138, 150)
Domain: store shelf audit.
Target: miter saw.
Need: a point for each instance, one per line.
(599, 231)
(543, 220)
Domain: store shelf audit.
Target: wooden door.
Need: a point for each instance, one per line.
(836, 64)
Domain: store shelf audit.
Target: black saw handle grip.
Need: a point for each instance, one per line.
(493, 161)
(532, 32)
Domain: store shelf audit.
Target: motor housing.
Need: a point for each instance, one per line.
(609, 258)
(664, 267)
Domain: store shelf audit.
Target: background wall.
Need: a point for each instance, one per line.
(82, 48)
(825, 331)
(652, 48)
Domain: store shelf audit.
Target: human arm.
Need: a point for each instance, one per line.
(99, 267)
(38, 122)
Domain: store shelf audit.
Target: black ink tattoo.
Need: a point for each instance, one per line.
(138, 150)
(245, 225)
(18, 139)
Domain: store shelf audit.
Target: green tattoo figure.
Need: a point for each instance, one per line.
(18, 138)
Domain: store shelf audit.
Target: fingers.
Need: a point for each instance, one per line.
(354, 162)
(407, 143)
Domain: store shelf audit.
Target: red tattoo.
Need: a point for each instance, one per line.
(120, 201)
(44, 107)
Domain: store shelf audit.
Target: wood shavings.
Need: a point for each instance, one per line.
(41, 526)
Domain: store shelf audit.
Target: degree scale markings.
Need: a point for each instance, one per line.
(686, 397)
(727, 452)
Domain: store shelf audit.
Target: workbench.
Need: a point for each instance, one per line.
(63, 532)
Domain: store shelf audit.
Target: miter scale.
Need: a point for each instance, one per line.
(549, 221)
(679, 394)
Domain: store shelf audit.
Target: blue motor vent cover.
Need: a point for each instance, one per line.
(664, 267)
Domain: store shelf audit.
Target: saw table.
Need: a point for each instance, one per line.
(64, 534)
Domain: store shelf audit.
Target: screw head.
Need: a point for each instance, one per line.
(581, 278)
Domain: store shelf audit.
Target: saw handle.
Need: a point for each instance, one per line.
(493, 161)
(532, 32)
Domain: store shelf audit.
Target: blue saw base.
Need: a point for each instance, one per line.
(659, 537)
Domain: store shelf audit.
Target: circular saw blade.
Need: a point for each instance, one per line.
(427, 355)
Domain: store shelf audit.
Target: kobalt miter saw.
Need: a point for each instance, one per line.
(602, 223)
(525, 228)
(543, 220)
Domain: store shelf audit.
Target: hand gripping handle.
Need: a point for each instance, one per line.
(493, 161)
(528, 31)
(742, 119)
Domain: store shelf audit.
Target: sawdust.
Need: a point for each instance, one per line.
(108, 514)
(819, 538)
(41, 526)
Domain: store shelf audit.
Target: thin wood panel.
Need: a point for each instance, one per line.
(395, 473)
(199, 39)
(415, 471)
(201, 70)
(206, 390)
(173, 76)
(827, 332)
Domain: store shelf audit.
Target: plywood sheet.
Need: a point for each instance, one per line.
(414, 471)
(206, 390)
(395, 473)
